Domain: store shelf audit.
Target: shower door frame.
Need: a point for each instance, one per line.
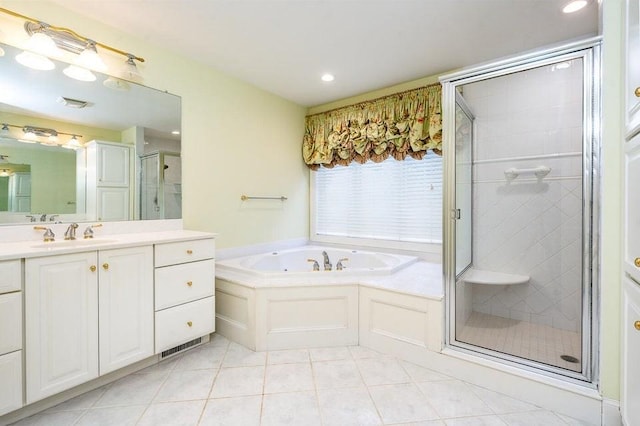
(589, 51)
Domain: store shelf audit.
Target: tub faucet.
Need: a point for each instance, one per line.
(339, 265)
(327, 262)
(70, 233)
(316, 267)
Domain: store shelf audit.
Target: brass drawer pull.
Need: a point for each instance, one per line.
(637, 92)
(105, 266)
(189, 251)
(92, 268)
(189, 283)
(637, 325)
(189, 323)
(636, 262)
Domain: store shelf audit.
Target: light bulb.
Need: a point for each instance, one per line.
(79, 73)
(130, 70)
(42, 44)
(35, 61)
(90, 59)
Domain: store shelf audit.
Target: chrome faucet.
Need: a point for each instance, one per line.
(48, 236)
(43, 218)
(70, 233)
(339, 265)
(88, 233)
(316, 267)
(327, 262)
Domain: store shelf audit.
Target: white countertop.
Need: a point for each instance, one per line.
(37, 248)
(420, 279)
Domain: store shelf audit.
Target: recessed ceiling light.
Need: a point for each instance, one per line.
(574, 6)
(175, 132)
(327, 77)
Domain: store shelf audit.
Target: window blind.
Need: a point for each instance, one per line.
(392, 200)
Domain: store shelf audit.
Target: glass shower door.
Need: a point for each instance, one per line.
(464, 193)
(521, 274)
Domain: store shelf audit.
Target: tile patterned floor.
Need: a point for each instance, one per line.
(524, 339)
(223, 383)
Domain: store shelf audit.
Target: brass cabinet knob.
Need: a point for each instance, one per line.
(92, 268)
(636, 262)
(637, 92)
(189, 283)
(189, 323)
(637, 325)
(105, 266)
(189, 251)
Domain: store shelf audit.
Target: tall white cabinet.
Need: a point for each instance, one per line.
(630, 331)
(107, 185)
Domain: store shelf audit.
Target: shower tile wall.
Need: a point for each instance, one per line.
(527, 226)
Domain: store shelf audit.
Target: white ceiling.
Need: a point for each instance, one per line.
(284, 46)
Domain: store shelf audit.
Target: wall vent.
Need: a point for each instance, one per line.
(182, 347)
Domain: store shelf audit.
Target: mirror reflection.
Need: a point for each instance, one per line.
(85, 151)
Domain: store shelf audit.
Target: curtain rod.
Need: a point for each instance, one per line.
(375, 99)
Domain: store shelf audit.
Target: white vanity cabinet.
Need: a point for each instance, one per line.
(184, 292)
(632, 67)
(125, 306)
(10, 336)
(630, 409)
(87, 314)
(108, 180)
(61, 327)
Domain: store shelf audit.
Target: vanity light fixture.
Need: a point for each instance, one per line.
(48, 41)
(73, 143)
(574, 6)
(43, 135)
(175, 132)
(5, 173)
(3, 158)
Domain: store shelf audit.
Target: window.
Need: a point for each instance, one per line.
(394, 201)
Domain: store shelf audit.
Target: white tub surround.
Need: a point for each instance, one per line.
(268, 308)
(95, 307)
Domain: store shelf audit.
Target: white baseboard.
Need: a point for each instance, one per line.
(611, 413)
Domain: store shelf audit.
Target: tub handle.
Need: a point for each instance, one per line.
(340, 266)
(316, 265)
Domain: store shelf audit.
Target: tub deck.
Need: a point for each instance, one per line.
(419, 279)
(402, 310)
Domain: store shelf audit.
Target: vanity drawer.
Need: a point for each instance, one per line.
(10, 322)
(179, 284)
(10, 382)
(184, 251)
(182, 323)
(10, 276)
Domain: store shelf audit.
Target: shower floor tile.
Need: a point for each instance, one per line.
(536, 342)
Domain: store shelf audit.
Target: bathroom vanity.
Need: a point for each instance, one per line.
(95, 306)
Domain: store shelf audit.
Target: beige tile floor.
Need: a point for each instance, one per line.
(523, 339)
(222, 383)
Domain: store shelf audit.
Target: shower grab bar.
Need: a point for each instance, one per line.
(250, 197)
(540, 172)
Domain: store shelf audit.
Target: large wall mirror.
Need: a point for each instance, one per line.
(75, 150)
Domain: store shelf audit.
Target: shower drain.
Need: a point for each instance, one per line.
(570, 358)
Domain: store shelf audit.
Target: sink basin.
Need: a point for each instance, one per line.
(74, 243)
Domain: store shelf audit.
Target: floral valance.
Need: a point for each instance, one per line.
(407, 123)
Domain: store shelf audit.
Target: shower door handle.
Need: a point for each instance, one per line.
(455, 214)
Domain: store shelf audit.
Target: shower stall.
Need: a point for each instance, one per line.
(160, 186)
(521, 165)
